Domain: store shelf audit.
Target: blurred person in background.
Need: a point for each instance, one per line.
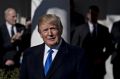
(11, 39)
(27, 33)
(95, 39)
(115, 60)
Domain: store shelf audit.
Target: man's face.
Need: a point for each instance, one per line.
(11, 17)
(51, 34)
(92, 16)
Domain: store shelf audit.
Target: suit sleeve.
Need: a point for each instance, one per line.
(115, 33)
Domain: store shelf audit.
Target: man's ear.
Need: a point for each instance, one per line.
(61, 31)
(40, 33)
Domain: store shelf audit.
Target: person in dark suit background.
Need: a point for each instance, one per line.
(115, 32)
(11, 39)
(95, 39)
(68, 62)
(26, 37)
(76, 19)
(27, 34)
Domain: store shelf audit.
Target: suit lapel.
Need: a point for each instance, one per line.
(6, 31)
(87, 30)
(58, 59)
(5, 34)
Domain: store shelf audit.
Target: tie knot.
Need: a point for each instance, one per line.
(50, 51)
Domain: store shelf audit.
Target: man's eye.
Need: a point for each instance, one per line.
(53, 29)
(45, 30)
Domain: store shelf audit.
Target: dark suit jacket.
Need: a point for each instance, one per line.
(115, 32)
(69, 63)
(94, 46)
(9, 49)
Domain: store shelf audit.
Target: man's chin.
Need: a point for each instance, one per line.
(51, 44)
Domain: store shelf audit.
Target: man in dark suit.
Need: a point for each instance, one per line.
(96, 41)
(11, 39)
(115, 32)
(65, 61)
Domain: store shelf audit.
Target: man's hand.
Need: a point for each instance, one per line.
(9, 62)
(17, 36)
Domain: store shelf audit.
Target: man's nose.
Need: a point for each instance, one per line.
(49, 32)
(15, 18)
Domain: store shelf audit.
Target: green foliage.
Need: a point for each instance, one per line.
(11, 74)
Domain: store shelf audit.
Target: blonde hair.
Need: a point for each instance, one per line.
(50, 19)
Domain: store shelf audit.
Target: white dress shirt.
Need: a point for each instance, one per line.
(9, 27)
(55, 49)
(90, 27)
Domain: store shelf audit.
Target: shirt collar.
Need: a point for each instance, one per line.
(55, 47)
(8, 25)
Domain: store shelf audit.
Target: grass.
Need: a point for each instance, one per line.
(11, 74)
